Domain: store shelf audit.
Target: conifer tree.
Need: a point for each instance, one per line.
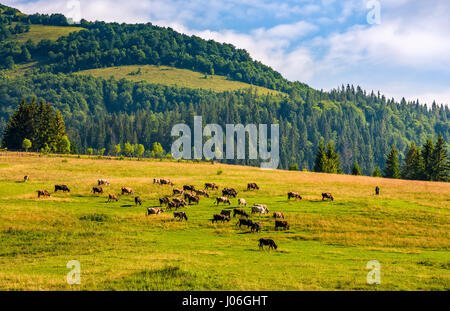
(440, 161)
(392, 167)
(413, 164)
(427, 155)
(320, 161)
(356, 170)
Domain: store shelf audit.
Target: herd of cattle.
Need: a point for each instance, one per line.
(189, 195)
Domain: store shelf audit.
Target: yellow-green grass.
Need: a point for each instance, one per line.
(41, 32)
(327, 247)
(174, 76)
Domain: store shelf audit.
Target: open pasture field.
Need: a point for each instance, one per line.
(174, 76)
(327, 247)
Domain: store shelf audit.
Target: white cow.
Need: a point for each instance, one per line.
(260, 208)
(102, 182)
(242, 202)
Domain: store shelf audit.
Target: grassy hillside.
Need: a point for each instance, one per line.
(174, 76)
(327, 248)
(41, 32)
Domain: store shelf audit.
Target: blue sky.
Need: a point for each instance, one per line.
(324, 43)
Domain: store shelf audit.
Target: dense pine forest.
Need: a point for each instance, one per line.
(101, 113)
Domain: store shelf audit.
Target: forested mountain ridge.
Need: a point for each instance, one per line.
(100, 113)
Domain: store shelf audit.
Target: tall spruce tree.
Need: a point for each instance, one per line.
(321, 159)
(392, 169)
(413, 164)
(355, 169)
(333, 163)
(440, 161)
(427, 155)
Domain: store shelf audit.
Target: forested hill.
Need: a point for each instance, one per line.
(103, 112)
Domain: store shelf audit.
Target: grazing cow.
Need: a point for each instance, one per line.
(194, 198)
(377, 190)
(327, 196)
(212, 186)
(127, 190)
(180, 202)
(242, 202)
(180, 215)
(163, 201)
(226, 213)
(252, 186)
(137, 200)
(102, 182)
(256, 227)
(229, 192)
(191, 198)
(97, 190)
(259, 209)
(188, 188)
(157, 181)
(154, 211)
(281, 224)
(177, 191)
(245, 222)
(63, 188)
(240, 212)
(26, 178)
(221, 218)
(163, 181)
(173, 204)
(202, 192)
(43, 193)
(113, 197)
(268, 242)
(223, 200)
(278, 215)
(294, 195)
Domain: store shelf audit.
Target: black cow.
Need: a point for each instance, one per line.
(137, 200)
(240, 212)
(327, 196)
(281, 224)
(268, 242)
(245, 222)
(62, 188)
(180, 215)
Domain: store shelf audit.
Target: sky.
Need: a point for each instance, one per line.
(398, 47)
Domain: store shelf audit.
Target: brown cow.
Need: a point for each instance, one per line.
(154, 211)
(202, 192)
(102, 182)
(43, 193)
(256, 227)
(180, 202)
(188, 188)
(180, 215)
(294, 195)
(327, 196)
(177, 191)
(212, 186)
(223, 200)
(281, 224)
(252, 186)
(240, 212)
(113, 197)
(163, 201)
(278, 215)
(268, 242)
(97, 190)
(221, 218)
(127, 190)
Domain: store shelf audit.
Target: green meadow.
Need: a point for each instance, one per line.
(327, 247)
(173, 76)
